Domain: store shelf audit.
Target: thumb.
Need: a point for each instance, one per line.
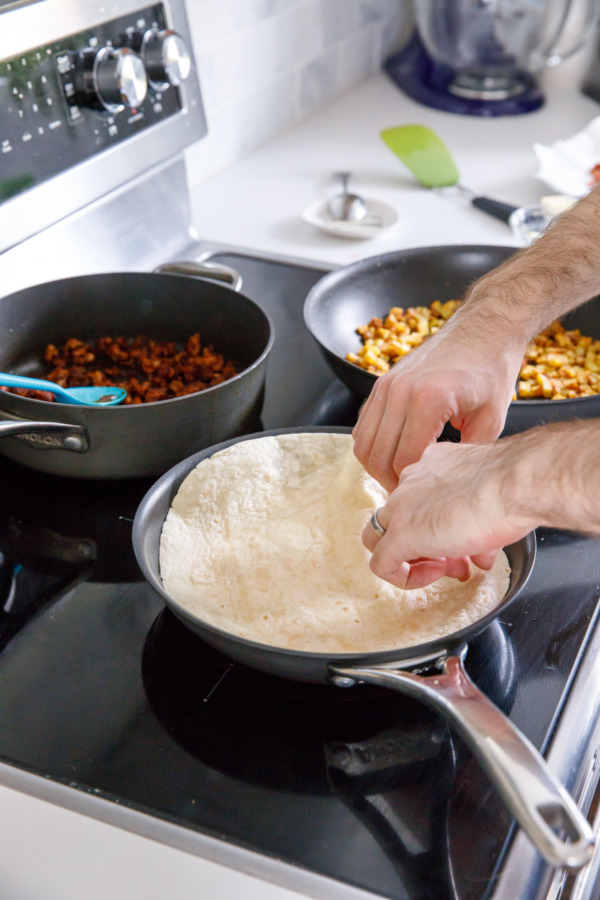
(485, 560)
(482, 427)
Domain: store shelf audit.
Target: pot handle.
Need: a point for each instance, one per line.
(208, 270)
(47, 435)
(521, 776)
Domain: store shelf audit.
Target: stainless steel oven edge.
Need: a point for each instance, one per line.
(26, 26)
(574, 757)
(135, 228)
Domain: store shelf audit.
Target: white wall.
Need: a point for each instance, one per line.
(266, 64)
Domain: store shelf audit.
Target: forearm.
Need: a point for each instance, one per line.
(559, 272)
(551, 475)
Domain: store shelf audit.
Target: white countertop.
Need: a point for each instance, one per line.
(48, 852)
(258, 202)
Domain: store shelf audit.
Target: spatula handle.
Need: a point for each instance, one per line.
(494, 208)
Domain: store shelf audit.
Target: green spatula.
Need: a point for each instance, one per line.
(430, 161)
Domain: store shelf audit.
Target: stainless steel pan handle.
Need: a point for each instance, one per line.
(210, 271)
(521, 776)
(48, 435)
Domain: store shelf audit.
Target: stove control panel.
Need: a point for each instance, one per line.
(166, 57)
(69, 100)
(109, 79)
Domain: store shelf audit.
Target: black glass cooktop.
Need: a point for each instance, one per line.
(103, 690)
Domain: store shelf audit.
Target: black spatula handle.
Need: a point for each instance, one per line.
(495, 208)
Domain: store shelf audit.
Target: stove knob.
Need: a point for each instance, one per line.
(111, 78)
(166, 57)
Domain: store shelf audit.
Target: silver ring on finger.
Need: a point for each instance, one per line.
(376, 525)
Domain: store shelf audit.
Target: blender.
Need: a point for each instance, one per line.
(481, 57)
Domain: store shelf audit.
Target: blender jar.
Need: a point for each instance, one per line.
(492, 48)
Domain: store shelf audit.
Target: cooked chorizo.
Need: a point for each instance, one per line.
(148, 369)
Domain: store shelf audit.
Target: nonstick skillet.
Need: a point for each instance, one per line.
(354, 294)
(432, 673)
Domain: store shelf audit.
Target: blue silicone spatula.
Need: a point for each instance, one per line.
(81, 396)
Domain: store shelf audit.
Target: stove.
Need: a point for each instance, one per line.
(108, 704)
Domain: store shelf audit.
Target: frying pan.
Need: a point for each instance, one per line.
(351, 296)
(536, 799)
(144, 439)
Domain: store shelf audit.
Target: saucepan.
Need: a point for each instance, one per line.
(433, 673)
(354, 294)
(137, 440)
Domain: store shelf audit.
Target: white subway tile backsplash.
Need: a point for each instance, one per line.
(214, 20)
(379, 10)
(360, 56)
(340, 18)
(265, 64)
(300, 35)
(319, 82)
(238, 128)
(238, 66)
(396, 24)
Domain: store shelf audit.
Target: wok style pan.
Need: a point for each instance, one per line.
(144, 439)
(538, 802)
(352, 295)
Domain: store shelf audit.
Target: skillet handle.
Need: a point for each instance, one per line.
(521, 776)
(210, 271)
(47, 435)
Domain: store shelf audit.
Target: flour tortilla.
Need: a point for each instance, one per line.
(263, 540)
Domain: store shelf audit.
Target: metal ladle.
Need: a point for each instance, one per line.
(347, 207)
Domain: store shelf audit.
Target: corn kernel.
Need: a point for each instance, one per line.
(558, 363)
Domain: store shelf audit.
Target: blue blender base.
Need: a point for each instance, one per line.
(427, 82)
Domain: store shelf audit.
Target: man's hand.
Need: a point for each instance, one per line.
(459, 376)
(447, 512)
